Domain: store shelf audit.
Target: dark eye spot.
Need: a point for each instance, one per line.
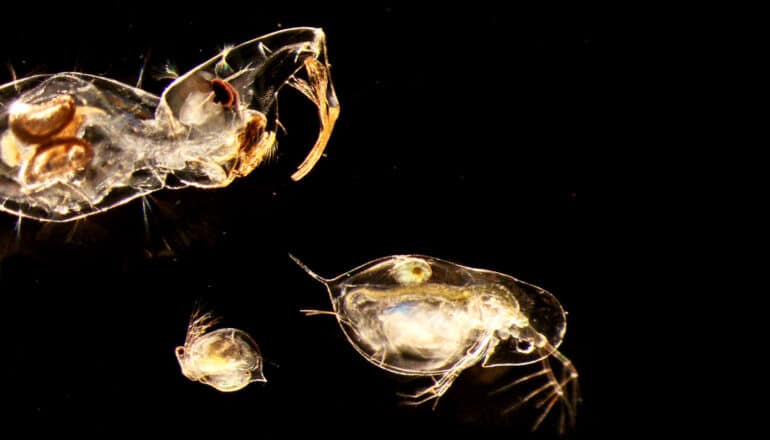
(524, 346)
(417, 271)
(224, 93)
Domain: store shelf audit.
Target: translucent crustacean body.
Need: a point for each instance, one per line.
(421, 316)
(73, 144)
(227, 359)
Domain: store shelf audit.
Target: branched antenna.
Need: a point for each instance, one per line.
(199, 324)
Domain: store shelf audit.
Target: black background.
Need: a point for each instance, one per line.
(493, 137)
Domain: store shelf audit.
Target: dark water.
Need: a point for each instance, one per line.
(480, 136)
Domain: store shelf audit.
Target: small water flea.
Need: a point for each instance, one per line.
(227, 359)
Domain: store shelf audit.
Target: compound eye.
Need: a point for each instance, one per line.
(525, 346)
(224, 93)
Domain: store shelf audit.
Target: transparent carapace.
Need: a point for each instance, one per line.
(227, 359)
(422, 316)
(74, 144)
